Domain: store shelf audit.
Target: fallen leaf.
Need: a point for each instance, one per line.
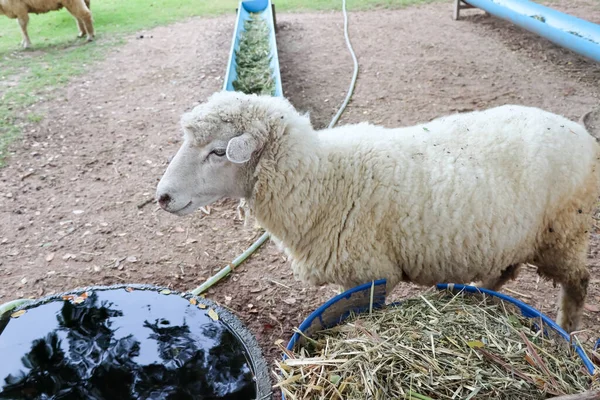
(179, 229)
(84, 295)
(290, 301)
(193, 301)
(514, 320)
(129, 289)
(79, 300)
(213, 314)
(68, 297)
(335, 379)
(50, 257)
(131, 259)
(165, 291)
(274, 318)
(591, 308)
(17, 314)
(202, 306)
(474, 344)
(540, 382)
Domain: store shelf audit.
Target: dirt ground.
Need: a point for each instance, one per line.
(76, 194)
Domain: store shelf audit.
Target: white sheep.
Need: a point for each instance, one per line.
(20, 9)
(466, 197)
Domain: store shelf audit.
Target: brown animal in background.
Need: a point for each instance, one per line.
(20, 9)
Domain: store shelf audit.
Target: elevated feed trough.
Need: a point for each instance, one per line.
(128, 342)
(247, 11)
(362, 299)
(576, 34)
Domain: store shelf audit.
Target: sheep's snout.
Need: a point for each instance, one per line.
(177, 204)
(164, 200)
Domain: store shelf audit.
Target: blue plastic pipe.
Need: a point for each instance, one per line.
(578, 35)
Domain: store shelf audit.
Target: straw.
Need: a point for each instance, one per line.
(436, 346)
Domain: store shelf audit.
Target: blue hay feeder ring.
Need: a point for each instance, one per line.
(361, 298)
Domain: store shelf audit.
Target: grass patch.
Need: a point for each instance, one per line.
(34, 118)
(57, 55)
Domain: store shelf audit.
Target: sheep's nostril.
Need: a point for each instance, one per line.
(164, 200)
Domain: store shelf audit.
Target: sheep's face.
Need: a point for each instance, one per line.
(222, 140)
(198, 176)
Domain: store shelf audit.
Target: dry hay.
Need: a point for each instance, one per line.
(436, 346)
(253, 59)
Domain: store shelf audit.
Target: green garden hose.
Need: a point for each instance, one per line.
(11, 305)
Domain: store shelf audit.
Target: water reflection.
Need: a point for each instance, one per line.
(94, 351)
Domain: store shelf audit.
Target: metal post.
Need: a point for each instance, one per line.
(274, 17)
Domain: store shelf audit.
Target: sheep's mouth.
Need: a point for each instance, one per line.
(188, 208)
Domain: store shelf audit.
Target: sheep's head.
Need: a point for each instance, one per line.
(222, 141)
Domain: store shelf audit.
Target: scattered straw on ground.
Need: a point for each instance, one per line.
(253, 59)
(436, 346)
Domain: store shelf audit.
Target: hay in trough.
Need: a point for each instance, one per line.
(253, 59)
(436, 346)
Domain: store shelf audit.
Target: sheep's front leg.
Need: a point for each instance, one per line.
(23, 21)
(571, 272)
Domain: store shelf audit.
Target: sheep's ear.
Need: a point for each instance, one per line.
(240, 148)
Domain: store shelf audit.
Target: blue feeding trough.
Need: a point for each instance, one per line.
(576, 34)
(263, 9)
(365, 297)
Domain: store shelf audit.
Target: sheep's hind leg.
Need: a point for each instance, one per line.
(84, 17)
(81, 27)
(23, 21)
(496, 283)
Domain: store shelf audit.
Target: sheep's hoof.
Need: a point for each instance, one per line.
(90, 39)
(26, 45)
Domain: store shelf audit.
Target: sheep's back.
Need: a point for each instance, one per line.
(464, 191)
(10, 7)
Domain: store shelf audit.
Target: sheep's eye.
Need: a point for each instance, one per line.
(218, 152)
